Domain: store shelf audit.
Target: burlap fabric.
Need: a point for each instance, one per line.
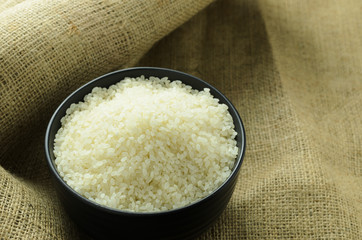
(293, 69)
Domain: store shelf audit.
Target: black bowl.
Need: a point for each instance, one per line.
(103, 222)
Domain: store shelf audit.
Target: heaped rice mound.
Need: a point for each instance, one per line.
(146, 145)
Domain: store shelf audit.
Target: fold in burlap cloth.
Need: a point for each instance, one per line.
(293, 69)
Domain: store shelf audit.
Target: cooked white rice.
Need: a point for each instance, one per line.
(146, 145)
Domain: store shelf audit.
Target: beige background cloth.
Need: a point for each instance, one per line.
(293, 69)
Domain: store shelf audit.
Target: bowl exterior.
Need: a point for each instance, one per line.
(104, 223)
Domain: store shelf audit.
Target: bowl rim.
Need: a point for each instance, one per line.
(90, 203)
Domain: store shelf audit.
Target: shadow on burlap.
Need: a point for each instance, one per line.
(293, 71)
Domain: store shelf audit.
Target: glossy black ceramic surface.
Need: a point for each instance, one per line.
(107, 223)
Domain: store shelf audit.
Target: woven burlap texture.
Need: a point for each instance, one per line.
(293, 69)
